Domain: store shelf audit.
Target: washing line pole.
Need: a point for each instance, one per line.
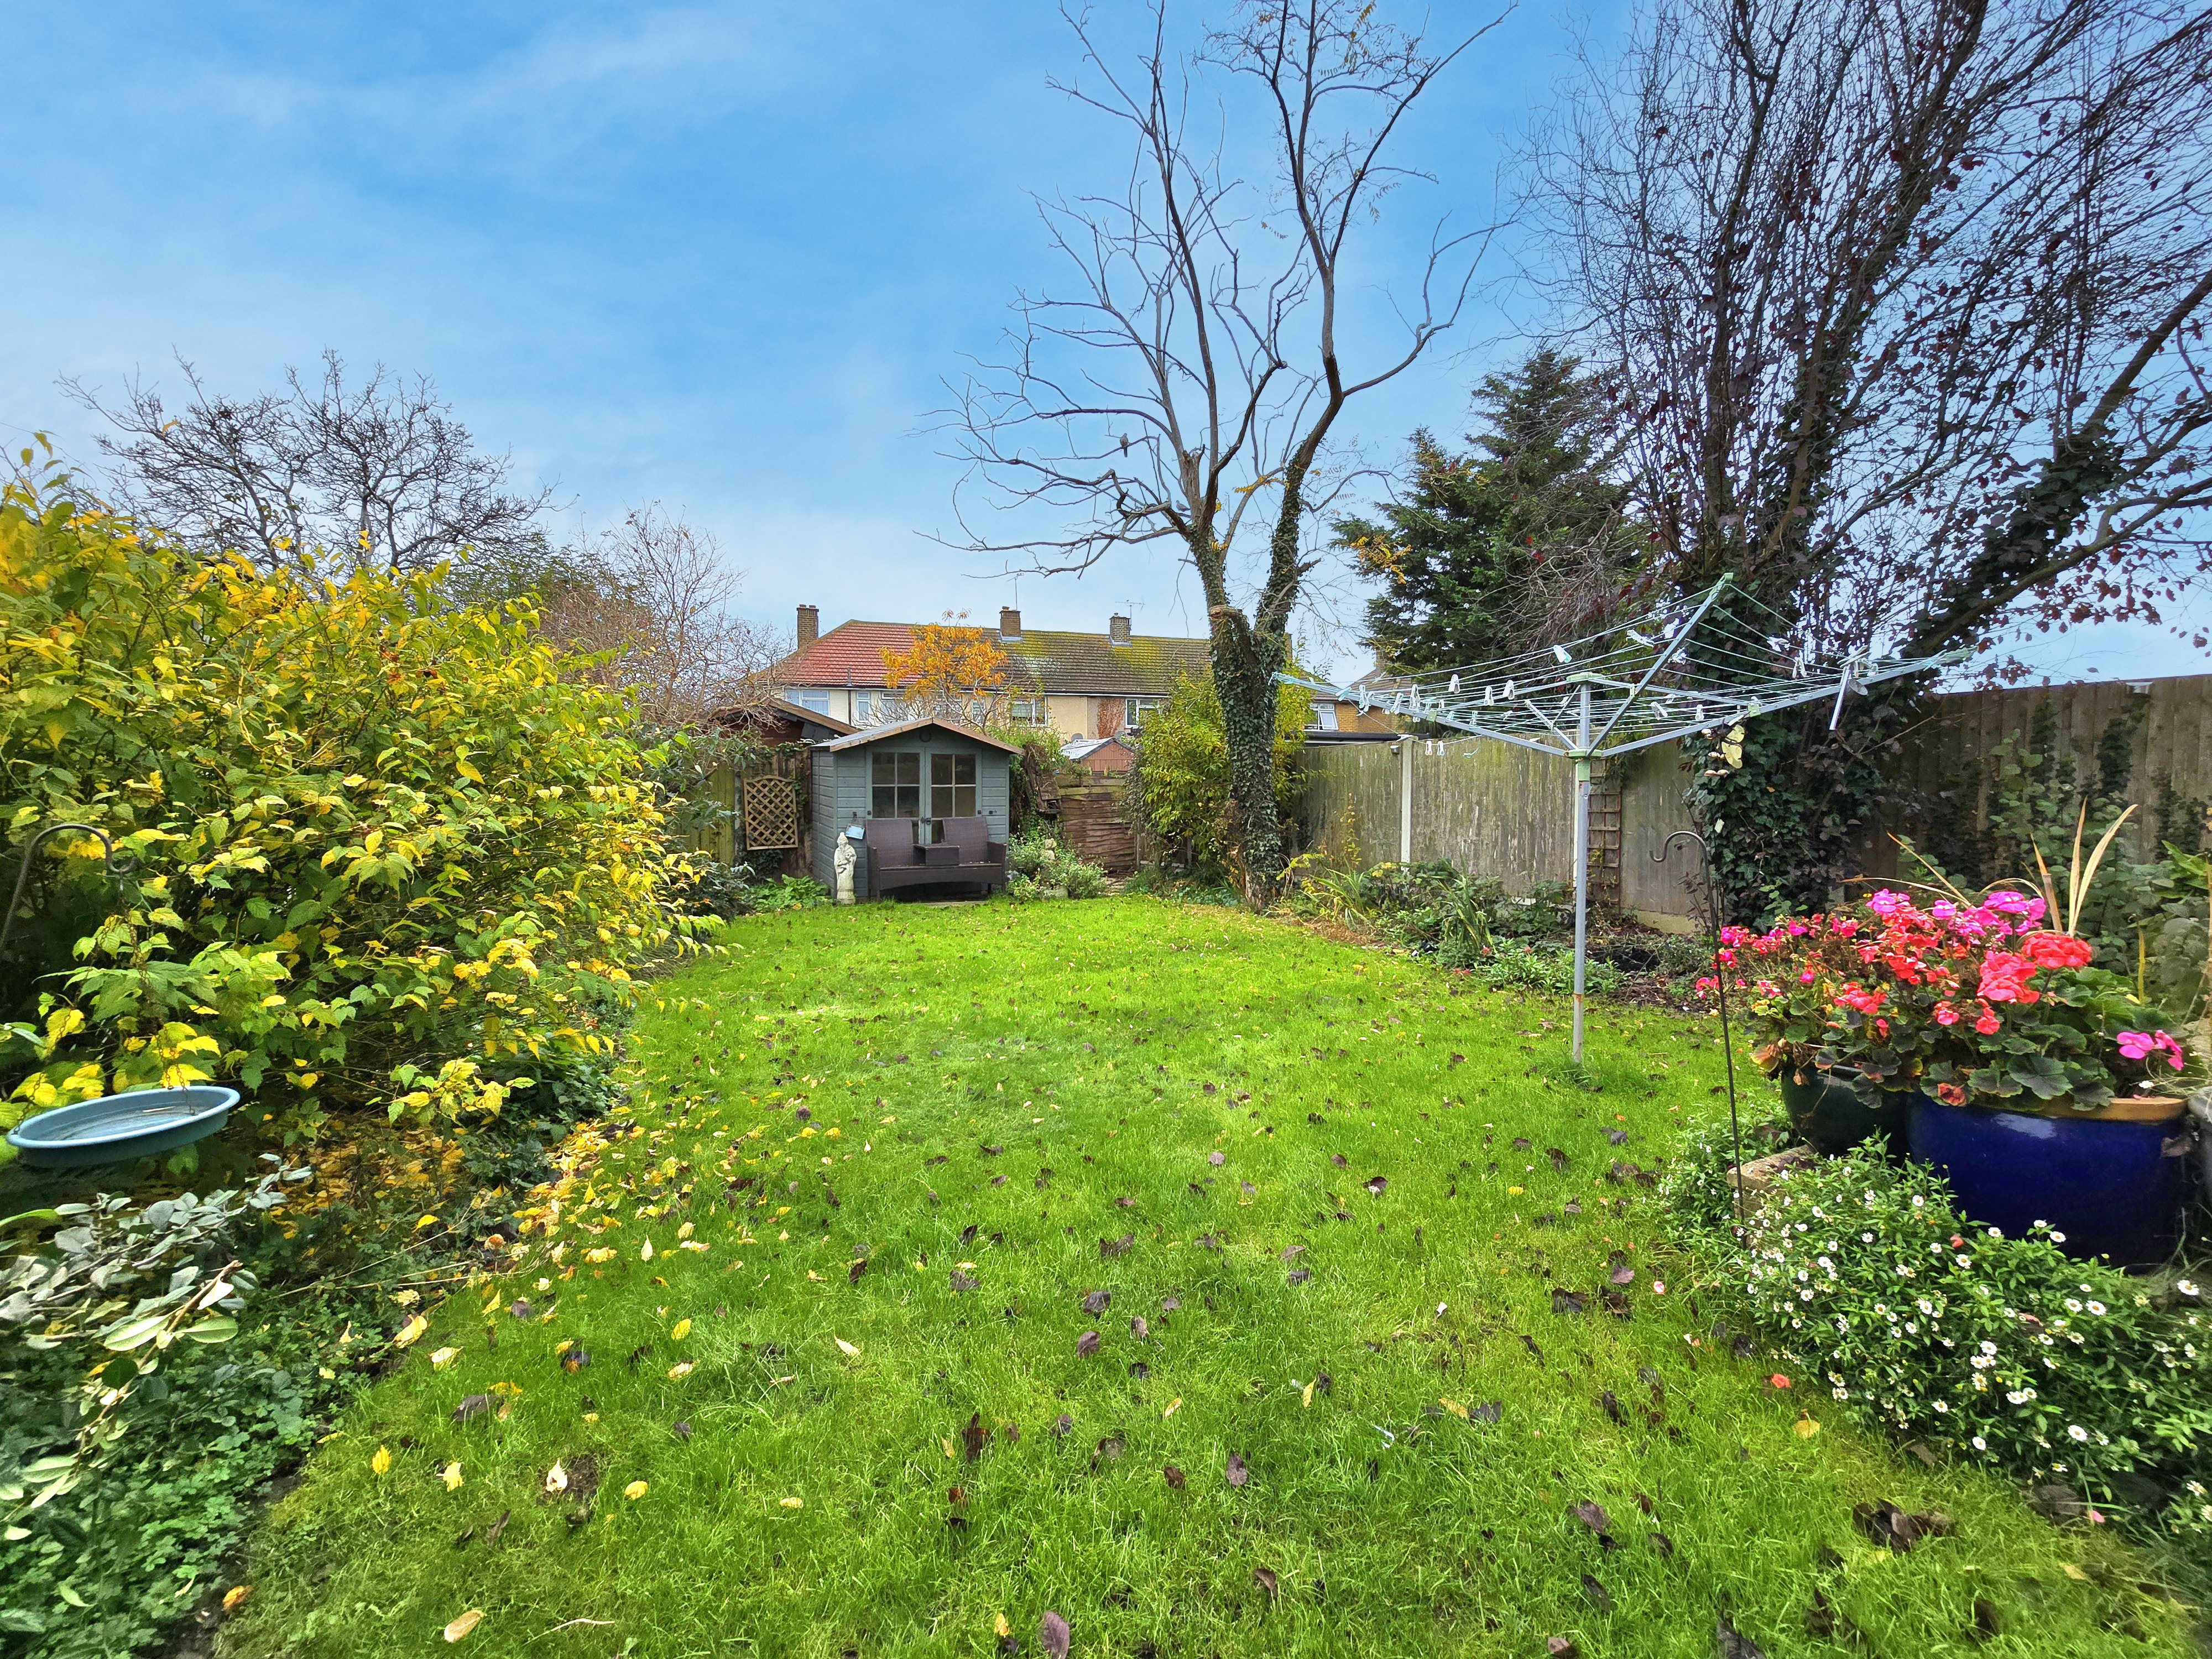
(1582, 860)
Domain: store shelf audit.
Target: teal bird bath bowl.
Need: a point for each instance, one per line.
(115, 1128)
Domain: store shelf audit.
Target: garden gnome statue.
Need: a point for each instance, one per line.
(847, 855)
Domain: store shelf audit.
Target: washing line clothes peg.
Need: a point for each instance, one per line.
(1454, 687)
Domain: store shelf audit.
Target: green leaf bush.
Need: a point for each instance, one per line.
(1040, 866)
(382, 844)
(1877, 1292)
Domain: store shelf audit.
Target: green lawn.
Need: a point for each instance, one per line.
(1001, 1089)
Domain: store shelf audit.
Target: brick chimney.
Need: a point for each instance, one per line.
(810, 625)
(1010, 624)
(1117, 630)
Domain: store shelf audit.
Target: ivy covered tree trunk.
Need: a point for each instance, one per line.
(1244, 666)
(1247, 653)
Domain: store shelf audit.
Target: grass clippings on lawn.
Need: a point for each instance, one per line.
(1211, 1287)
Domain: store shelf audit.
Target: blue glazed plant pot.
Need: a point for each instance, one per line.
(2106, 1184)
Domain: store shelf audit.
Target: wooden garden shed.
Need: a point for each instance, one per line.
(927, 770)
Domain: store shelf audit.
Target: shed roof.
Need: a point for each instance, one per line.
(1048, 659)
(878, 733)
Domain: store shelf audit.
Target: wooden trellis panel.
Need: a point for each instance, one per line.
(771, 814)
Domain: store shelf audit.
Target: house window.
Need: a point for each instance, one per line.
(953, 785)
(1029, 711)
(895, 777)
(1140, 707)
(867, 707)
(816, 701)
(1325, 716)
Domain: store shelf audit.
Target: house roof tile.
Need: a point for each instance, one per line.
(1046, 659)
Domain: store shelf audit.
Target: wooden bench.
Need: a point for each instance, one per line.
(963, 854)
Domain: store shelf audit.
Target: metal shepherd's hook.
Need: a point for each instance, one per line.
(1720, 990)
(121, 865)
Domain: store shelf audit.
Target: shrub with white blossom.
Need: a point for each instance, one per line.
(1871, 1284)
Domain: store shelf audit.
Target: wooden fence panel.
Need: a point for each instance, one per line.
(1494, 810)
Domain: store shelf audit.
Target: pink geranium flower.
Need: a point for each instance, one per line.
(2146, 1045)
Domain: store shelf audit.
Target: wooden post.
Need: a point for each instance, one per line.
(1406, 800)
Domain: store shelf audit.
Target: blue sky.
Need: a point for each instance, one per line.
(718, 256)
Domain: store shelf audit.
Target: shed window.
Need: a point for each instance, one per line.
(895, 776)
(953, 785)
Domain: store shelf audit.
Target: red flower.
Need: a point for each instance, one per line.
(1988, 1024)
(1951, 1095)
(2049, 950)
(2005, 979)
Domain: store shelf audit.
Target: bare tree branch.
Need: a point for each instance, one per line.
(379, 474)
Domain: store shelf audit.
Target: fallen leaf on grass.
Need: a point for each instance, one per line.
(682, 1369)
(1108, 1247)
(474, 1405)
(1298, 1275)
(1592, 1516)
(1268, 1582)
(1730, 1643)
(1174, 1406)
(1601, 1598)
(1174, 1476)
(681, 1430)
(1454, 1408)
(1618, 1270)
(1558, 1647)
(792, 1502)
(960, 1281)
(635, 1489)
(1891, 1527)
(679, 1330)
(1376, 1184)
(1617, 1303)
(557, 1478)
(1805, 1428)
(381, 1463)
(1087, 1344)
(492, 1532)
(451, 1475)
(1052, 1635)
(1558, 1159)
(1568, 1302)
(1235, 1473)
(1610, 1405)
(1095, 1302)
(852, 1274)
(1216, 1159)
(1062, 1424)
(1986, 1622)
(462, 1626)
(1488, 1412)
(443, 1358)
(975, 1436)
(234, 1597)
(1663, 1544)
(410, 1332)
